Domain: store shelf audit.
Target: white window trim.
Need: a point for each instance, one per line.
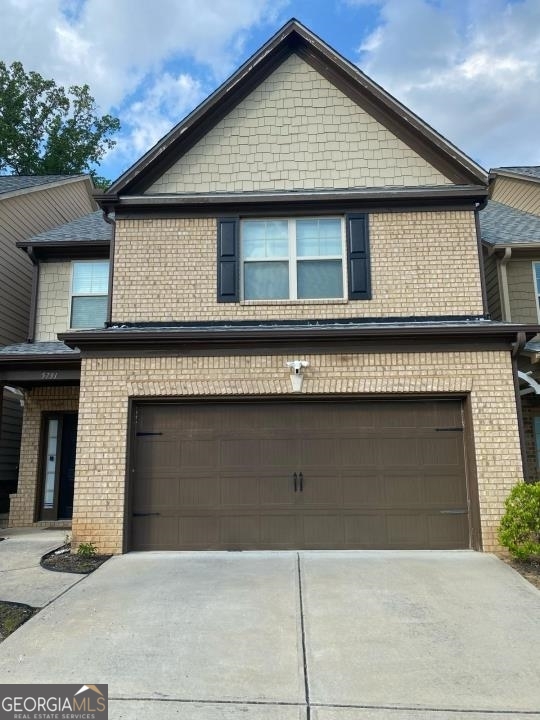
(72, 294)
(292, 260)
(536, 288)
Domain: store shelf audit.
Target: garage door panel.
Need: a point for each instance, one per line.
(279, 531)
(398, 452)
(358, 451)
(365, 531)
(448, 531)
(407, 531)
(323, 531)
(198, 531)
(442, 449)
(375, 475)
(198, 454)
(240, 531)
(404, 491)
(362, 491)
(157, 452)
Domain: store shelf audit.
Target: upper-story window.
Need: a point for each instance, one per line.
(296, 259)
(305, 258)
(89, 292)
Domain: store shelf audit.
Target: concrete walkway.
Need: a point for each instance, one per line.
(292, 636)
(22, 579)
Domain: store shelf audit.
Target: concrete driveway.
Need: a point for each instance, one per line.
(283, 636)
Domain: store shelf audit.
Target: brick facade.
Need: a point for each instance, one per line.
(422, 263)
(530, 409)
(107, 384)
(36, 402)
(297, 130)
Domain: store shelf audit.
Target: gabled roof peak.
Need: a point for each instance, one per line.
(294, 37)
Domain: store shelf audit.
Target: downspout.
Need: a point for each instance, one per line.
(34, 297)
(112, 222)
(479, 207)
(517, 348)
(507, 315)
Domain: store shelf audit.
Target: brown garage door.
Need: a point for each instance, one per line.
(285, 474)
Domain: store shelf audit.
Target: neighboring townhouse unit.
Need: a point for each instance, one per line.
(511, 240)
(28, 205)
(518, 187)
(296, 350)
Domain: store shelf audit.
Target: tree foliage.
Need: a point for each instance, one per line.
(46, 130)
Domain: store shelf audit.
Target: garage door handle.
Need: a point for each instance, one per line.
(453, 512)
(295, 479)
(145, 514)
(301, 477)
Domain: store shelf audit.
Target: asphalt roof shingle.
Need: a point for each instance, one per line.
(13, 183)
(91, 227)
(526, 170)
(39, 348)
(503, 225)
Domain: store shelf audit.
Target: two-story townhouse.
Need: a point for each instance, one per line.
(28, 205)
(70, 291)
(510, 226)
(296, 352)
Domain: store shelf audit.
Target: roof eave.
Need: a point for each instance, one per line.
(151, 339)
(508, 173)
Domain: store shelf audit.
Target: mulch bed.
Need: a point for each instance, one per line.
(62, 560)
(530, 569)
(12, 616)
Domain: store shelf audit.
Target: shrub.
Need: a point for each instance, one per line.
(87, 550)
(520, 524)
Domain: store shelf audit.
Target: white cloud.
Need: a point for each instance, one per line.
(470, 68)
(125, 49)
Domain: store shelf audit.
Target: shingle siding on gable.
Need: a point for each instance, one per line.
(521, 194)
(166, 270)
(53, 300)
(297, 131)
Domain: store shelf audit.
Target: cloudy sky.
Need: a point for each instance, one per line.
(471, 68)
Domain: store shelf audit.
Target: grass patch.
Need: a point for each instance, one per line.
(12, 616)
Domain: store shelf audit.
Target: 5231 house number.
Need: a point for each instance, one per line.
(49, 375)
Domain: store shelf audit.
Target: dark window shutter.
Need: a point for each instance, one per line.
(358, 257)
(228, 260)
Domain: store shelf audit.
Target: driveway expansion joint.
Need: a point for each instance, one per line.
(303, 632)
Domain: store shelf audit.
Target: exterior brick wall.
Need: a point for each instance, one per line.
(37, 401)
(297, 130)
(53, 300)
(108, 383)
(422, 263)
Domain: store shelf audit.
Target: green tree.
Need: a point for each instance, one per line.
(46, 130)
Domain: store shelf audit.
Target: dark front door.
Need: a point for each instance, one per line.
(299, 475)
(60, 441)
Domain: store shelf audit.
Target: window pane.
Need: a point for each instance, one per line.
(318, 237)
(265, 238)
(91, 278)
(266, 280)
(50, 464)
(320, 279)
(88, 312)
(537, 276)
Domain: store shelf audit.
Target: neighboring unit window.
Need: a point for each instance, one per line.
(89, 291)
(295, 259)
